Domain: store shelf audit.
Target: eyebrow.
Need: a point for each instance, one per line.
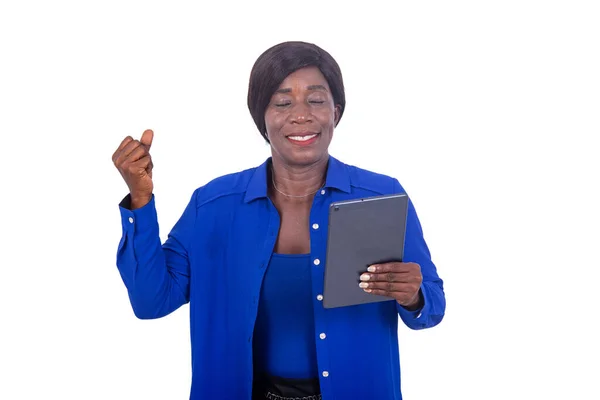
(310, 87)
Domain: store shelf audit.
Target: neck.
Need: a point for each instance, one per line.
(298, 180)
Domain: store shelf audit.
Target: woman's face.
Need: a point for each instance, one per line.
(301, 117)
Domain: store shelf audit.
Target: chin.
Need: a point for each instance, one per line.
(307, 156)
(305, 152)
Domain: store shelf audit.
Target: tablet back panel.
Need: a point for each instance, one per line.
(361, 232)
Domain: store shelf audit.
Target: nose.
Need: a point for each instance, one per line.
(300, 114)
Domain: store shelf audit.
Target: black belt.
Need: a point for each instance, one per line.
(277, 388)
(271, 396)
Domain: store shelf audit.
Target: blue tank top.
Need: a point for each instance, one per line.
(284, 334)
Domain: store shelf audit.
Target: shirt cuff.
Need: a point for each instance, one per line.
(416, 314)
(140, 218)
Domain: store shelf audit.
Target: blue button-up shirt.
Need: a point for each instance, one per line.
(214, 259)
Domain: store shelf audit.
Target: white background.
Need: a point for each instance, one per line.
(487, 112)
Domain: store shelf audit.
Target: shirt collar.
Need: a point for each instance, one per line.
(337, 178)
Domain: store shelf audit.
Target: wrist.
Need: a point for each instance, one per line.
(139, 201)
(416, 303)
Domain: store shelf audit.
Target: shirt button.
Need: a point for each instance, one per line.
(419, 316)
(322, 336)
(323, 191)
(315, 226)
(320, 297)
(131, 220)
(325, 374)
(317, 261)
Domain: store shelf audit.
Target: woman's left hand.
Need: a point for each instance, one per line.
(401, 281)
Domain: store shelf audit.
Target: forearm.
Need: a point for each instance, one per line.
(142, 262)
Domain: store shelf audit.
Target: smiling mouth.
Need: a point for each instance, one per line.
(302, 138)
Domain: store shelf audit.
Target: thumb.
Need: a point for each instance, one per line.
(147, 137)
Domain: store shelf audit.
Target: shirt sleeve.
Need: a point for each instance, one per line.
(432, 288)
(157, 276)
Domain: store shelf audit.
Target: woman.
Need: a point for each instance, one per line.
(248, 254)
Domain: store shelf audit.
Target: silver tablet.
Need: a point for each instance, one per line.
(361, 232)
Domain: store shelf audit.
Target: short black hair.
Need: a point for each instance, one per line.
(276, 63)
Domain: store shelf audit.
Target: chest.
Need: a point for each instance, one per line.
(294, 234)
(253, 234)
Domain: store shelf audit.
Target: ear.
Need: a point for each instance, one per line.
(337, 112)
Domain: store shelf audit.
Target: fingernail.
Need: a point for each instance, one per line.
(368, 290)
(371, 269)
(363, 285)
(365, 277)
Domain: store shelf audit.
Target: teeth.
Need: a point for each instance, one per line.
(302, 138)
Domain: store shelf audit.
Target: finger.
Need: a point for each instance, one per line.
(124, 143)
(137, 154)
(149, 167)
(389, 287)
(393, 267)
(127, 150)
(147, 138)
(379, 293)
(143, 163)
(138, 168)
(401, 297)
(405, 277)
